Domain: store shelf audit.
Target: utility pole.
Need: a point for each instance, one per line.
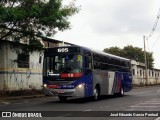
(145, 55)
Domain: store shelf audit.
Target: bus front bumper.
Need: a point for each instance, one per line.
(78, 91)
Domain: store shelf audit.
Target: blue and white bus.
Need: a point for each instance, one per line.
(74, 71)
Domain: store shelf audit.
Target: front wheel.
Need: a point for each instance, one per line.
(95, 94)
(62, 98)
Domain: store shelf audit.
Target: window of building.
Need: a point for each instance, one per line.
(23, 60)
(133, 71)
(152, 73)
(140, 72)
(40, 59)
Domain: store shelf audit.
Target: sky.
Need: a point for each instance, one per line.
(108, 23)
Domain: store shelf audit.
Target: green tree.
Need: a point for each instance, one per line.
(31, 19)
(134, 53)
(114, 50)
(130, 52)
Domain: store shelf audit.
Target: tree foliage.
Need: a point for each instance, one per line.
(130, 52)
(30, 19)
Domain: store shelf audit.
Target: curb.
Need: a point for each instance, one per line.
(139, 87)
(11, 99)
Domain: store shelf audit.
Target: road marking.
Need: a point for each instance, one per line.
(6, 103)
(148, 103)
(157, 118)
(143, 106)
(153, 101)
(88, 110)
(158, 91)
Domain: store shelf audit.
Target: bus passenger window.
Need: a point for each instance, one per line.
(88, 62)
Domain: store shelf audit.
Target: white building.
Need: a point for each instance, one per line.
(139, 76)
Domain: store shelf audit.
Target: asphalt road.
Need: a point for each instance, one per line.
(141, 99)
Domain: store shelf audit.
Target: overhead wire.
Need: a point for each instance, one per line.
(154, 28)
(155, 41)
(151, 34)
(155, 24)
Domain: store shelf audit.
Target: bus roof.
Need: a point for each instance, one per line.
(105, 54)
(95, 51)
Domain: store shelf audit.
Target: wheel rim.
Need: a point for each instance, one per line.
(122, 92)
(95, 94)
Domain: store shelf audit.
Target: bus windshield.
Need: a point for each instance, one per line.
(64, 65)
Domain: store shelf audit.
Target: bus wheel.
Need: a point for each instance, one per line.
(62, 98)
(121, 93)
(96, 94)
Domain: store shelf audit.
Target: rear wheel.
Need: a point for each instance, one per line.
(121, 93)
(62, 98)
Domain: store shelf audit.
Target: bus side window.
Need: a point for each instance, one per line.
(88, 65)
(88, 62)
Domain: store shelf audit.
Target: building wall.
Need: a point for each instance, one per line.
(14, 78)
(139, 76)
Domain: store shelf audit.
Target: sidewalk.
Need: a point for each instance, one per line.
(18, 99)
(21, 97)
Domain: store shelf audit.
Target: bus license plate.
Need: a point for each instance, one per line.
(61, 91)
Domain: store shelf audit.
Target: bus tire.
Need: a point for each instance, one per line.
(121, 92)
(62, 98)
(95, 94)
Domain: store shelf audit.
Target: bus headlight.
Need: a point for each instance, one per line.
(80, 86)
(45, 85)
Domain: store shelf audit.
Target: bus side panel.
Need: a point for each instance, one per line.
(101, 77)
(122, 78)
(117, 82)
(111, 78)
(88, 85)
(127, 82)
